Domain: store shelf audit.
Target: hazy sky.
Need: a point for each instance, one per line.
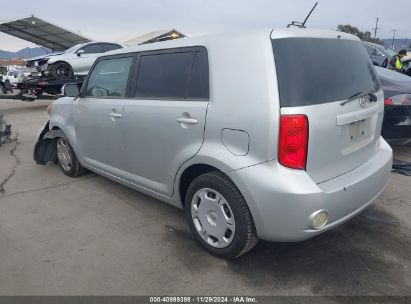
(122, 19)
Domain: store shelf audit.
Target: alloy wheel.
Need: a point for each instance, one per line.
(64, 154)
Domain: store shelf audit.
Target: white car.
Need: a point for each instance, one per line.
(77, 60)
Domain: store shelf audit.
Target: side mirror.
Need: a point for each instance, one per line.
(79, 52)
(71, 90)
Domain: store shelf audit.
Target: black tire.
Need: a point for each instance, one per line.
(245, 237)
(3, 89)
(75, 169)
(61, 69)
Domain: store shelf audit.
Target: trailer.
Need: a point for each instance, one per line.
(34, 87)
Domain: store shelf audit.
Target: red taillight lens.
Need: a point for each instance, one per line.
(387, 101)
(293, 143)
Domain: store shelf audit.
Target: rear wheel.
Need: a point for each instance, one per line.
(219, 217)
(67, 159)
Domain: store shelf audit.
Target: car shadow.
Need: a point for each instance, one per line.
(366, 256)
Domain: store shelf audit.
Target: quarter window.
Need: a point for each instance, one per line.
(179, 75)
(109, 78)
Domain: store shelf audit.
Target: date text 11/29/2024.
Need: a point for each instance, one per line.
(203, 299)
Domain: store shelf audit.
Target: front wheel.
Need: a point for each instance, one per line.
(68, 160)
(219, 216)
(61, 69)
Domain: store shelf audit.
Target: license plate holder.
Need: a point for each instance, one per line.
(356, 135)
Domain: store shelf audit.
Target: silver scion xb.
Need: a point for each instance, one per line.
(268, 134)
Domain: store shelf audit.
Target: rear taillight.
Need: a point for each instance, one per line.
(387, 101)
(293, 143)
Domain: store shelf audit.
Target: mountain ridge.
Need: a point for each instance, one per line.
(24, 53)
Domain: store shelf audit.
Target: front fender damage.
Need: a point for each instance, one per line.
(45, 148)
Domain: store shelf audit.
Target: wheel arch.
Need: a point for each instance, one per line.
(45, 149)
(61, 61)
(189, 174)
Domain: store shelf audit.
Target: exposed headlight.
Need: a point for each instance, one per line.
(44, 67)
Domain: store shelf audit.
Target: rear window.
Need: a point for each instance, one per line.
(313, 71)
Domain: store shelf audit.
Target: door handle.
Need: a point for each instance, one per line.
(188, 121)
(115, 115)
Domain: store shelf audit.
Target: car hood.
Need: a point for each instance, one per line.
(45, 56)
(393, 83)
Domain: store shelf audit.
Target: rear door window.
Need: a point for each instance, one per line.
(198, 86)
(92, 49)
(313, 71)
(173, 75)
(110, 47)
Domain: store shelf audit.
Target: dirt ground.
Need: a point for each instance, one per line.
(91, 236)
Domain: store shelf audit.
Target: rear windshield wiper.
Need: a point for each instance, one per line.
(373, 97)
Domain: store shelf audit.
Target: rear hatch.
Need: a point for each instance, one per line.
(333, 82)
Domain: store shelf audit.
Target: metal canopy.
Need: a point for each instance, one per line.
(156, 36)
(42, 33)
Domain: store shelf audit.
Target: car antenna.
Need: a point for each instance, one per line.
(302, 24)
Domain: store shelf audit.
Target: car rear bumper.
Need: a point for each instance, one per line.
(282, 200)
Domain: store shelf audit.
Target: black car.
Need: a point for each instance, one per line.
(396, 128)
(380, 56)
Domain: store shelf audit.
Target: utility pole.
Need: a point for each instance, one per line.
(376, 29)
(393, 38)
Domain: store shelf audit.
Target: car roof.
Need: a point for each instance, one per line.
(96, 42)
(252, 34)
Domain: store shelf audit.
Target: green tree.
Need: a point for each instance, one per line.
(365, 36)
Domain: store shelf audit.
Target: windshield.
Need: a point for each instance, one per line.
(73, 48)
(390, 52)
(313, 71)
